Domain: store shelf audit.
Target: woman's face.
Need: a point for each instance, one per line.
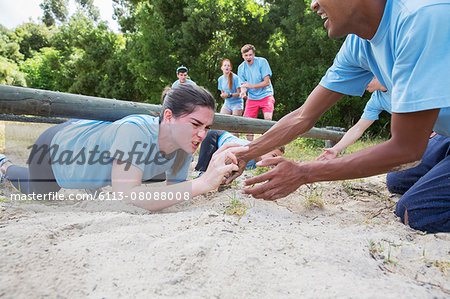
(226, 67)
(189, 130)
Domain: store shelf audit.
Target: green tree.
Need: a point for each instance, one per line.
(54, 10)
(303, 42)
(32, 37)
(79, 54)
(10, 45)
(10, 73)
(197, 34)
(44, 70)
(89, 9)
(119, 80)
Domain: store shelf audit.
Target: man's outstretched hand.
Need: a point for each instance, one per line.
(242, 164)
(282, 180)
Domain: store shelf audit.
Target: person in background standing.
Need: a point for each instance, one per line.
(182, 74)
(230, 89)
(254, 73)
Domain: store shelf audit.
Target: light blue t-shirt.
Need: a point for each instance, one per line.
(84, 151)
(187, 81)
(378, 102)
(222, 85)
(408, 58)
(255, 74)
(227, 137)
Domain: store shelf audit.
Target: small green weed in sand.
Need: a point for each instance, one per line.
(388, 260)
(441, 265)
(372, 248)
(314, 197)
(347, 188)
(235, 206)
(378, 251)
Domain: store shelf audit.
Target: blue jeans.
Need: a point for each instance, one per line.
(209, 146)
(425, 204)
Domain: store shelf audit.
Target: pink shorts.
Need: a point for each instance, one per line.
(252, 107)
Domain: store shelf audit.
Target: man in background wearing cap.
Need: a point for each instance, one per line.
(182, 74)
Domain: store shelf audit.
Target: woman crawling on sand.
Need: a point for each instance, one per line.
(88, 154)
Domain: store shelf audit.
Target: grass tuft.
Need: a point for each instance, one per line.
(314, 197)
(235, 206)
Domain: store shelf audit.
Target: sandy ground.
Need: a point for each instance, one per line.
(351, 247)
(331, 239)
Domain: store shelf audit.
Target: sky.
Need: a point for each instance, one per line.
(15, 12)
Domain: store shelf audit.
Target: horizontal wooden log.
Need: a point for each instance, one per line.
(43, 103)
(29, 101)
(32, 119)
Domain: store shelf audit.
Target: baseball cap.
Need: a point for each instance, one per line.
(182, 68)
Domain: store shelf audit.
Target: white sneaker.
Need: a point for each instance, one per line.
(3, 160)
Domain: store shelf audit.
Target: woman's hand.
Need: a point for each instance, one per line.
(222, 163)
(328, 154)
(224, 95)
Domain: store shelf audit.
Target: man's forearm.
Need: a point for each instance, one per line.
(409, 141)
(261, 84)
(243, 91)
(283, 132)
(375, 160)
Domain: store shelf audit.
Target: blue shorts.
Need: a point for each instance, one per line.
(233, 106)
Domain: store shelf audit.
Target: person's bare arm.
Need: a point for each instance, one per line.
(223, 94)
(410, 132)
(243, 92)
(290, 126)
(264, 83)
(126, 182)
(238, 92)
(349, 138)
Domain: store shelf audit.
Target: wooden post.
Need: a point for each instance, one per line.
(36, 102)
(330, 142)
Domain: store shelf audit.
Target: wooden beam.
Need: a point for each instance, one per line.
(43, 103)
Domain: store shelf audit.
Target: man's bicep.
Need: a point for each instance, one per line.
(413, 129)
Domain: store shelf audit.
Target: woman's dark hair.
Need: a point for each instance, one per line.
(181, 100)
(184, 98)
